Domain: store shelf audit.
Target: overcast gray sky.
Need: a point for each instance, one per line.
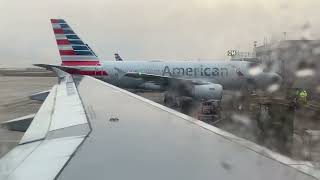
(151, 29)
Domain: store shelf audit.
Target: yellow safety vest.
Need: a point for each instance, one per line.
(303, 94)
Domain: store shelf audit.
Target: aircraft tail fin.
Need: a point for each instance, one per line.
(73, 51)
(117, 57)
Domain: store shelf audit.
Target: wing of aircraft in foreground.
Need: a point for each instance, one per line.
(88, 129)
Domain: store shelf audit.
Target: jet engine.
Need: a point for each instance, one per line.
(151, 86)
(207, 91)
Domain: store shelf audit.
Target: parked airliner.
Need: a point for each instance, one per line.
(197, 79)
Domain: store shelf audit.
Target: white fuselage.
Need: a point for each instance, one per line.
(230, 74)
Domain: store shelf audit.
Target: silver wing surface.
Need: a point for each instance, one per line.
(88, 129)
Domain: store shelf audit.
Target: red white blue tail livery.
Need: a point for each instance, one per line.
(73, 51)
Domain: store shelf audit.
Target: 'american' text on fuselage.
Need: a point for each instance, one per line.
(196, 71)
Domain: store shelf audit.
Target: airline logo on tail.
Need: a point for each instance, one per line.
(74, 52)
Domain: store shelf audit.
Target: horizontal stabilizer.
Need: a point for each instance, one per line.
(39, 96)
(49, 67)
(19, 124)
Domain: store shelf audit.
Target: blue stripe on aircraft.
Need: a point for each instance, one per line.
(80, 48)
(76, 42)
(72, 37)
(83, 52)
(67, 31)
(64, 26)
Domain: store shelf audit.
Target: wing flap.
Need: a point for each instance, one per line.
(67, 101)
(13, 159)
(47, 165)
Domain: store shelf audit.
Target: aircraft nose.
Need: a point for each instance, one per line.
(264, 80)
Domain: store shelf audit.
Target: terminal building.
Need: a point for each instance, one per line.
(288, 57)
(293, 52)
(298, 62)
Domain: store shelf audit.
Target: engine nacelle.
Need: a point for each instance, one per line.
(207, 91)
(150, 86)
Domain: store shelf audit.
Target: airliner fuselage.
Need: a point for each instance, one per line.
(230, 74)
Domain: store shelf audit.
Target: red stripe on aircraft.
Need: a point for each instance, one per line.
(88, 73)
(54, 20)
(58, 31)
(63, 42)
(67, 52)
(80, 63)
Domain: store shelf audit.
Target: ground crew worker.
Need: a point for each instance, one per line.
(303, 96)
